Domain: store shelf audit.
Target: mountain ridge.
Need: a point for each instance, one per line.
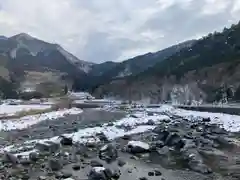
(208, 71)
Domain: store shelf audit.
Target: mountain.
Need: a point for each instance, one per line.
(143, 62)
(106, 72)
(206, 71)
(27, 62)
(100, 69)
(25, 43)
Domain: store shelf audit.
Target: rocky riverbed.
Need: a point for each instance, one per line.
(104, 145)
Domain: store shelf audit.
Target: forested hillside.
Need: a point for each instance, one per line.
(208, 70)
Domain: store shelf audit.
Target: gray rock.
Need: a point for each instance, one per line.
(47, 146)
(42, 178)
(163, 151)
(55, 164)
(116, 174)
(157, 172)
(96, 163)
(199, 167)
(66, 141)
(194, 160)
(76, 167)
(151, 173)
(33, 156)
(137, 147)
(66, 174)
(162, 134)
(108, 153)
(206, 119)
(126, 137)
(158, 144)
(150, 122)
(102, 137)
(133, 116)
(10, 158)
(174, 139)
(121, 162)
(143, 178)
(100, 173)
(25, 162)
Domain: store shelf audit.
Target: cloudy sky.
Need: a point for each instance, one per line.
(103, 30)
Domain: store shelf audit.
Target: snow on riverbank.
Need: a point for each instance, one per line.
(11, 110)
(28, 121)
(111, 131)
(228, 122)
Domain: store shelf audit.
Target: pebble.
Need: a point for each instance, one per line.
(157, 173)
(96, 163)
(121, 163)
(150, 173)
(143, 178)
(76, 167)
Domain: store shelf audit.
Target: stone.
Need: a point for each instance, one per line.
(47, 146)
(217, 130)
(163, 151)
(133, 116)
(150, 173)
(96, 163)
(55, 164)
(157, 172)
(143, 178)
(102, 137)
(76, 167)
(199, 167)
(162, 134)
(110, 124)
(66, 141)
(33, 156)
(10, 158)
(150, 122)
(194, 159)
(206, 119)
(42, 178)
(223, 142)
(137, 147)
(158, 144)
(25, 162)
(108, 153)
(121, 163)
(66, 174)
(126, 137)
(175, 140)
(99, 173)
(116, 174)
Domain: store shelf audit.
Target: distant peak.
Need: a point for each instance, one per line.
(22, 35)
(3, 37)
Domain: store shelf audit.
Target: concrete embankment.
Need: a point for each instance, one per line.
(235, 110)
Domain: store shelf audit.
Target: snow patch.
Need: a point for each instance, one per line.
(98, 169)
(139, 144)
(28, 121)
(11, 110)
(228, 122)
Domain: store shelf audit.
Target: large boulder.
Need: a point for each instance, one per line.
(137, 147)
(10, 158)
(66, 141)
(193, 158)
(174, 140)
(100, 173)
(55, 164)
(108, 153)
(47, 146)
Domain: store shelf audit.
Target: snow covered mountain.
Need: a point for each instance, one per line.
(24, 42)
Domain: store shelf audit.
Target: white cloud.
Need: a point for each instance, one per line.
(114, 30)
